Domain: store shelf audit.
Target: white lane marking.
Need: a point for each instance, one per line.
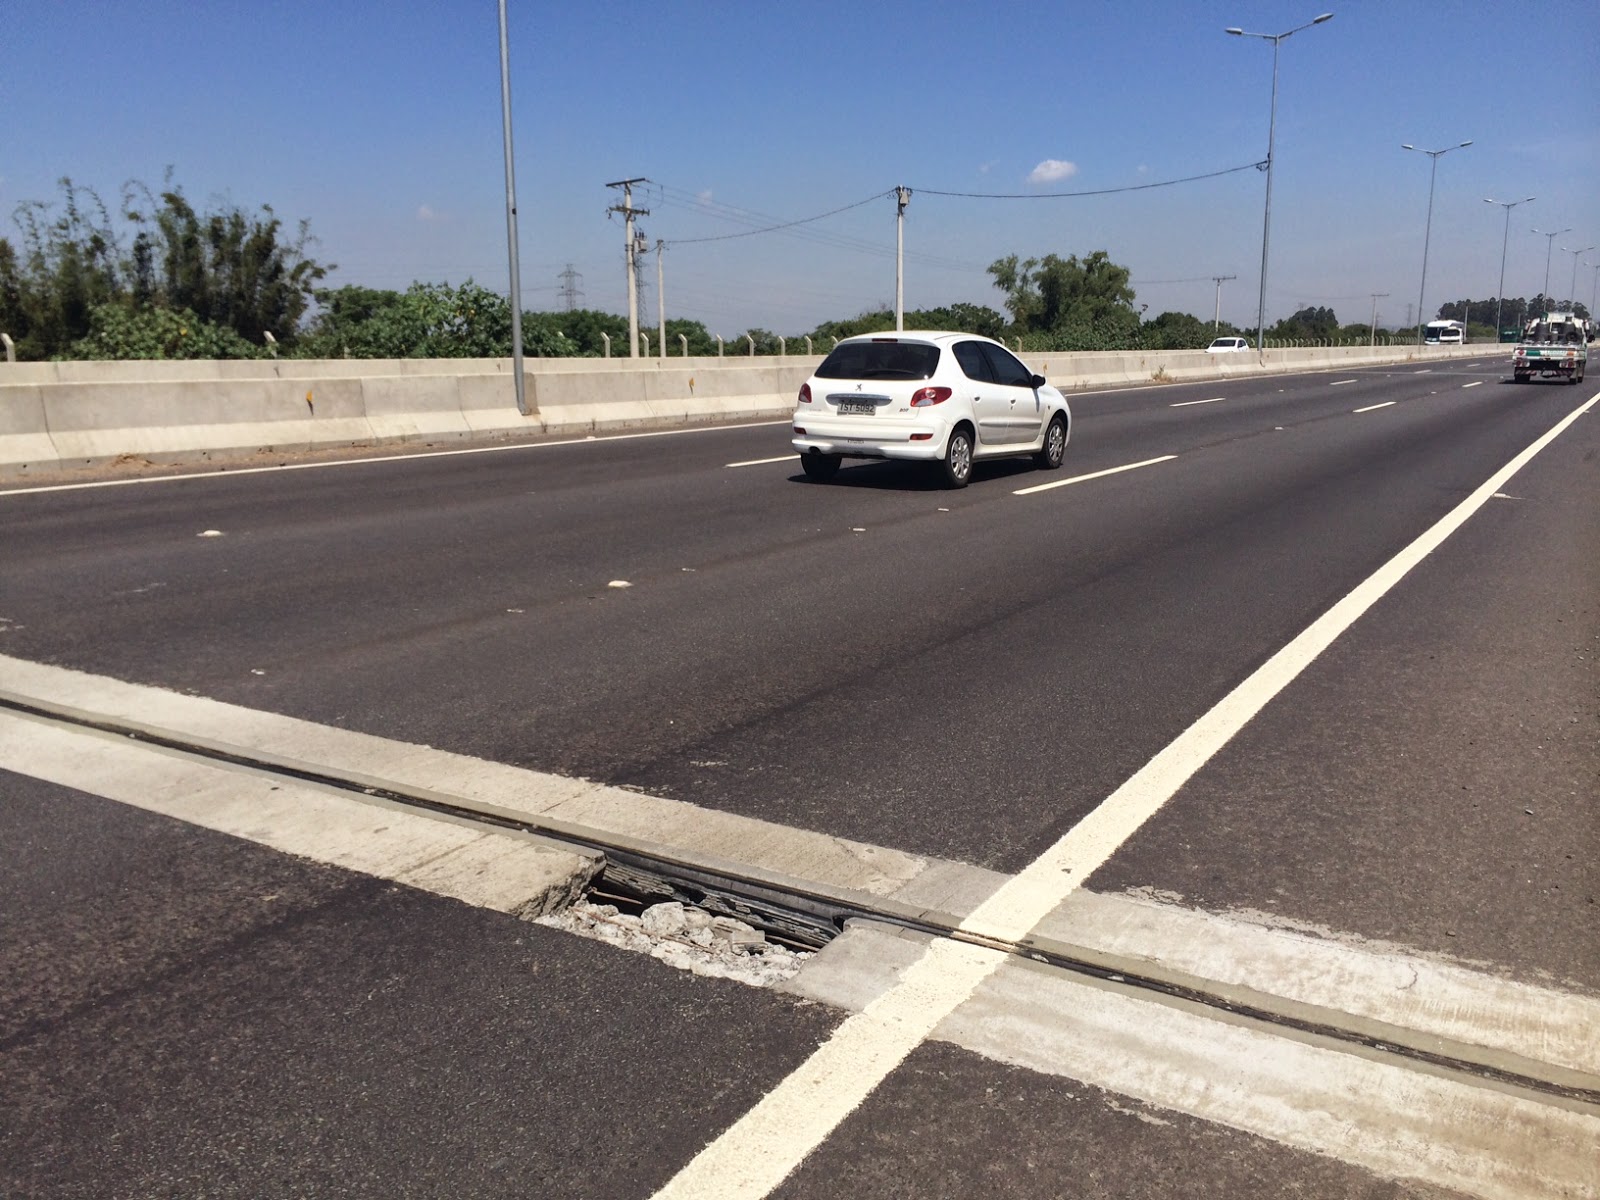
(1045, 487)
(1465, 386)
(1342, 382)
(1424, 371)
(760, 1150)
(1374, 407)
(1189, 403)
(383, 458)
(761, 462)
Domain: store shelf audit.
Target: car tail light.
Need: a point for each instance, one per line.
(800, 430)
(924, 397)
(805, 393)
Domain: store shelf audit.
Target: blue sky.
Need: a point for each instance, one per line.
(379, 122)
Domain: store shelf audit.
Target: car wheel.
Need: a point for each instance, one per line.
(957, 460)
(820, 467)
(1055, 445)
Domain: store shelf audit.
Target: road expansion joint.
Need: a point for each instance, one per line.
(1430, 1014)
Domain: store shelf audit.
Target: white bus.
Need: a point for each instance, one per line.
(1444, 333)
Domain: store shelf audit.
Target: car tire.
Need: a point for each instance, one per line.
(1055, 445)
(957, 460)
(820, 468)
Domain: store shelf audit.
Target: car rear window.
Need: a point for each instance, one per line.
(880, 360)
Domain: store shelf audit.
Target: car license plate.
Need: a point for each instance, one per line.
(857, 407)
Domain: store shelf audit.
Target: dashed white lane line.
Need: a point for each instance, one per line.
(1045, 487)
(1374, 407)
(761, 462)
(1465, 386)
(1424, 371)
(1192, 403)
(1342, 382)
(761, 1149)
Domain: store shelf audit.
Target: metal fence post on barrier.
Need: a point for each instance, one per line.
(11, 347)
(752, 341)
(606, 337)
(719, 346)
(783, 347)
(684, 342)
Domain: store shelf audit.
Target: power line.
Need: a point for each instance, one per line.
(1137, 187)
(785, 225)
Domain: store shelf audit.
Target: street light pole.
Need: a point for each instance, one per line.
(1548, 247)
(519, 384)
(1427, 234)
(1505, 239)
(1272, 134)
(1572, 288)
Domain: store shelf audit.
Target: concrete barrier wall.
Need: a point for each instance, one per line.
(56, 416)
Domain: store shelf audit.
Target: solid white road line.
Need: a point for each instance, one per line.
(1374, 407)
(1045, 487)
(382, 458)
(1190, 403)
(760, 1150)
(761, 462)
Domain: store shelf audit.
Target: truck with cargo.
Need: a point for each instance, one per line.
(1554, 346)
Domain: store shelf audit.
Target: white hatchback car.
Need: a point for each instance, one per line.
(1228, 345)
(946, 398)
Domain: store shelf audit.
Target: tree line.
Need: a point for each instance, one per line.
(163, 279)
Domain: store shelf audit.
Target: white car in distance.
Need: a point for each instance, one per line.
(1228, 345)
(946, 398)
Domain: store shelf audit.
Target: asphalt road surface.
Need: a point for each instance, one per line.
(964, 675)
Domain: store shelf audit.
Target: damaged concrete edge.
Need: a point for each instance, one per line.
(1442, 1007)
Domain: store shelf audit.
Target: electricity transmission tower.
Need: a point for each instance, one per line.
(571, 288)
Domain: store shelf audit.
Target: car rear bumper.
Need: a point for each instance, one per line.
(856, 437)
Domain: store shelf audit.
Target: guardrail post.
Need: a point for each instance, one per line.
(606, 337)
(11, 347)
(752, 342)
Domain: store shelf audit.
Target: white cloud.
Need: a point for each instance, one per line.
(428, 213)
(1053, 170)
(703, 197)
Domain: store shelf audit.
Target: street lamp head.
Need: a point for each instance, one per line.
(1322, 18)
(1235, 32)
(1465, 143)
(1407, 146)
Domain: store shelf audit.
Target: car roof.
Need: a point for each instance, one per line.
(916, 335)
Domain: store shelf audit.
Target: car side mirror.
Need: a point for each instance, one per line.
(1037, 381)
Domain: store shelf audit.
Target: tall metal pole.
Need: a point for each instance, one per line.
(1372, 339)
(902, 197)
(1505, 240)
(1427, 236)
(1272, 134)
(1572, 288)
(511, 220)
(1550, 245)
(661, 299)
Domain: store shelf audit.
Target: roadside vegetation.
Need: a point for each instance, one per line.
(163, 279)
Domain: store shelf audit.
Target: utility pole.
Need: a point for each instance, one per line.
(519, 383)
(661, 300)
(1376, 296)
(902, 197)
(570, 291)
(1216, 316)
(628, 211)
